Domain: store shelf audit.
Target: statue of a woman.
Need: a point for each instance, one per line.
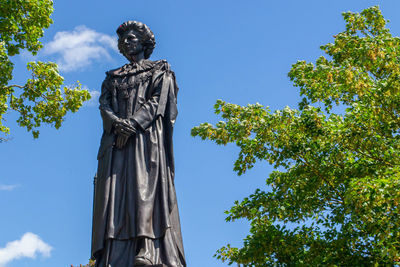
(135, 217)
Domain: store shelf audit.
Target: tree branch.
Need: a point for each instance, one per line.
(14, 85)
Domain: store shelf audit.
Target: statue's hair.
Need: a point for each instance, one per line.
(146, 36)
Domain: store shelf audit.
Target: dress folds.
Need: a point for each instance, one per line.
(134, 192)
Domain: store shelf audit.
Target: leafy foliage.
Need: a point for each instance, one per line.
(91, 263)
(42, 99)
(336, 186)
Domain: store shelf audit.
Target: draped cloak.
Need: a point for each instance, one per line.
(134, 191)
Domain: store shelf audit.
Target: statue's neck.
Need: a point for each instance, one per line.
(137, 58)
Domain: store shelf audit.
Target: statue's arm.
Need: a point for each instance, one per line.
(149, 111)
(107, 113)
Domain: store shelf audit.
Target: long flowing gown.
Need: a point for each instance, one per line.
(134, 192)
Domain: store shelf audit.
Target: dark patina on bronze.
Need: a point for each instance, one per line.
(135, 215)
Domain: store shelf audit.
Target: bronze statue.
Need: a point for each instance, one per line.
(135, 214)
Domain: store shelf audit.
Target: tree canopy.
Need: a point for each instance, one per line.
(333, 198)
(43, 98)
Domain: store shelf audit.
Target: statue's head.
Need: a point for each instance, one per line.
(134, 29)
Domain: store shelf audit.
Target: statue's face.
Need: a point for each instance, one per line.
(133, 45)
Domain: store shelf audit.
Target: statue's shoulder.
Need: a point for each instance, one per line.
(115, 72)
(162, 65)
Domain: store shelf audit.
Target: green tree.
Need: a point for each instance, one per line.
(43, 98)
(338, 183)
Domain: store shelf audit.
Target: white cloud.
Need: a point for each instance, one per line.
(28, 246)
(94, 101)
(5, 187)
(81, 47)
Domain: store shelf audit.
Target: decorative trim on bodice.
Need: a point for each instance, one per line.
(136, 68)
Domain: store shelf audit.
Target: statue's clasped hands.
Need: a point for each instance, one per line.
(124, 128)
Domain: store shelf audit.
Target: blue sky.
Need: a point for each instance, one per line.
(238, 51)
